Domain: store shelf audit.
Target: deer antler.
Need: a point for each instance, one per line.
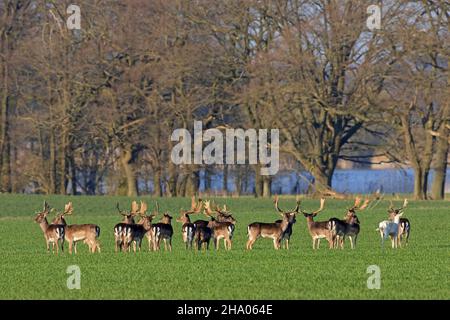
(363, 206)
(134, 208)
(68, 209)
(322, 205)
(276, 204)
(46, 207)
(207, 210)
(156, 211)
(143, 208)
(120, 211)
(405, 204)
(297, 207)
(391, 205)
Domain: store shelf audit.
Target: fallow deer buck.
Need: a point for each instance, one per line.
(163, 231)
(134, 233)
(274, 230)
(286, 236)
(349, 226)
(88, 233)
(188, 229)
(53, 233)
(220, 230)
(224, 215)
(128, 218)
(320, 229)
(395, 228)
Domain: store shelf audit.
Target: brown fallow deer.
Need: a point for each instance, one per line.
(53, 233)
(224, 215)
(349, 226)
(188, 229)
(128, 218)
(134, 233)
(163, 231)
(274, 230)
(88, 233)
(318, 229)
(220, 230)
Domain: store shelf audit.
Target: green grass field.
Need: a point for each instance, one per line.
(420, 271)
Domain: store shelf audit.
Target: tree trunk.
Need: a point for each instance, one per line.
(258, 182)
(440, 169)
(322, 180)
(193, 183)
(5, 144)
(157, 190)
(126, 158)
(225, 179)
(267, 184)
(418, 184)
(52, 164)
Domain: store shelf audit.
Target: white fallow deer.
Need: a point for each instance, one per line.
(274, 230)
(393, 227)
(53, 233)
(88, 233)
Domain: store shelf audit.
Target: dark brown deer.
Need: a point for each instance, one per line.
(349, 226)
(274, 230)
(134, 233)
(163, 231)
(128, 218)
(188, 229)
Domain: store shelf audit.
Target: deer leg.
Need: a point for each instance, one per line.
(170, 244)
(287, 244)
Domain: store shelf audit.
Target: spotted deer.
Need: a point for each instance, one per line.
(53, 233)
(318, 229)
(135, 233)
(188, 229)
(349, 226)
(163, 231)
(88, 233)
(128, 218)
(275, 230)
(220, 230)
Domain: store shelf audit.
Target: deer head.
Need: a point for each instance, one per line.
(42, 215)
(312, 214)
(288, 216)
(393, 213)
(357, 206)
(196, 207)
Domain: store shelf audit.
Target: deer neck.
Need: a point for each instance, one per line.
(44, 225)
(284, 224)
(309, 221)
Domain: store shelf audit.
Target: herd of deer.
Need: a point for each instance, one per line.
(221, 225)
